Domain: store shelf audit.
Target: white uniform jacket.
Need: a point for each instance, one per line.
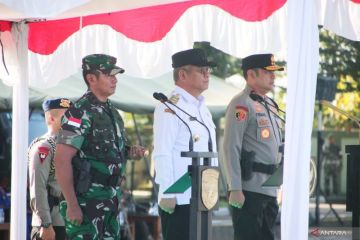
(171, 137)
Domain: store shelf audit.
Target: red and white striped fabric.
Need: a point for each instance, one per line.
(144, 39)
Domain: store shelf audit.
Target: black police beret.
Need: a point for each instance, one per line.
(196, 57)
(265, 61)
(58, 103)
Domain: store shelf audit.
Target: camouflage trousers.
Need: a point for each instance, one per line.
(100, 207)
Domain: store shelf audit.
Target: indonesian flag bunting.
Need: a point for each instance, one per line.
(144, 39)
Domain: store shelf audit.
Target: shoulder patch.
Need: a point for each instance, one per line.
(74, 122)
(174, 98)
(43, 153)
(241, 112)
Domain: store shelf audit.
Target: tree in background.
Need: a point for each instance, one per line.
(340, 59)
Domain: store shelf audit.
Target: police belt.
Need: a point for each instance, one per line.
(104, 179)
(264, 168)
(56, 200)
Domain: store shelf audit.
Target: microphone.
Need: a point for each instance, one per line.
(160, 98)
(260, 99)
(163, 97)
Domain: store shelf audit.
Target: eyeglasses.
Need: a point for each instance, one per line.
(201, 70)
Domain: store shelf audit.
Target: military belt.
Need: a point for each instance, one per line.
(104, 179)
(264, 168)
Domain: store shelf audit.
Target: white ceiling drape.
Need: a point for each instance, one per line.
(302, 67)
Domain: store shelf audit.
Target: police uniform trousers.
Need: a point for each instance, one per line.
(176, 226)
(256, 219)
(60, 233)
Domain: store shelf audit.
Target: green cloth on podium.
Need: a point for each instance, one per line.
(275, 180)
(181, 185)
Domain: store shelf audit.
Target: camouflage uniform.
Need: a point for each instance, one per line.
(96, 129)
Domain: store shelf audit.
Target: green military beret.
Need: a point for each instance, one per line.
(102, 62)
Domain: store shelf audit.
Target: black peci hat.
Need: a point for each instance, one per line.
(265, 61)
(196, 57)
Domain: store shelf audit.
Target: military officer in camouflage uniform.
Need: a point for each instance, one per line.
(251, 150)
(44, 190)
(91, 154)
(171, 137)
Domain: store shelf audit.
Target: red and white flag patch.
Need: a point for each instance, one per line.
(43, 153)
(74, 122)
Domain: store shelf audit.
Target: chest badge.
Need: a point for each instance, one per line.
(258, 107)
(196, 137)
(168, 110)
(265, 133)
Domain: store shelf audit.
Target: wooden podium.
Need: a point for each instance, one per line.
(353, 187)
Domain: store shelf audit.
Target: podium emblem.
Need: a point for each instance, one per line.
(210, 187)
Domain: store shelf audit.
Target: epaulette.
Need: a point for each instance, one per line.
(174, 98)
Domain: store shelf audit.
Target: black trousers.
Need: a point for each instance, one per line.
(60, 233)
(256, 219)
(175, 226)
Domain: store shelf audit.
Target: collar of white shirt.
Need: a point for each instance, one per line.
(188, 97)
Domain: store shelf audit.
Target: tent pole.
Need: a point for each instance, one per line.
(20, 123)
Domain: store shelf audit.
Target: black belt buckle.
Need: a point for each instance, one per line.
(113, 180)
(272, 168)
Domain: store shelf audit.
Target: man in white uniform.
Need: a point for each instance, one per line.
(171, 137)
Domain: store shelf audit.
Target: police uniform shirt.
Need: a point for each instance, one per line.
(249, 126)
(41, 177)
(171, 137)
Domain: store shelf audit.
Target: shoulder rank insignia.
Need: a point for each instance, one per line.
(43, 153)
(174, 98)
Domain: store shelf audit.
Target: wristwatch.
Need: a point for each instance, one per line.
(45, 225)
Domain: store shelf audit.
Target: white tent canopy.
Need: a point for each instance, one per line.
(133, 94)
(238, 27)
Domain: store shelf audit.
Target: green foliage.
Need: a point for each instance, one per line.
(340, 58)
(227, 65)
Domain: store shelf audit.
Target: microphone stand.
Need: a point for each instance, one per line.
(204, 180)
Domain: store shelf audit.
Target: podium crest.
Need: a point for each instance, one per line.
(210, 187)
